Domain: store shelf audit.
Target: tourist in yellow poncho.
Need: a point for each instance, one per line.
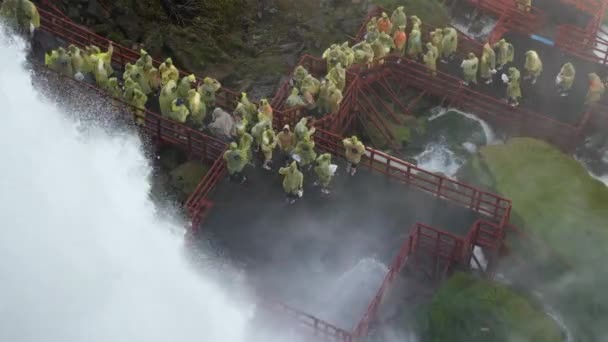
(354, 150)
(469, 69)
(236, 160)
(247, 109)
(325, 172)
(513, 86)
(293, 182)
(449, 44)
(269, 142)
(168, 72)
(197, 108)
(167, 95)
(430, 58)
(565, 79)
(487, 64)
(305, 149)
(596, 89)
(533, 66)
(414, 43)
(208, 90)
(504, 53)
(21, 15)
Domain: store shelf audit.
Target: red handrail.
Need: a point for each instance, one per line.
(582, 44)
(411, 245)
(488, 204)
(588, 6)
(322, 330)
(194, 142)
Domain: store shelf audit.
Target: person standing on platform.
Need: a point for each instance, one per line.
(533, 66)
(430, 58)
(287, 142)
(449, 44)
(384, 24)
(505, 53)
(269, 142)
(168, 72)
(487, 64)
(167, 94)
(596, 89)
(437, 40)
(524, 5)
(236, 160)
(293, 182)
(305, 151)
(245, 143)
(325, 171)
(565, 79)
(354, 150)
(513, 87)
(21, 15)
(469, 69)
(400, 40)
(304, 128)
(398, 18)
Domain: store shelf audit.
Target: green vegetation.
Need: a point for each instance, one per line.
(566, 210)
(432, 12)
(469, 309)
(187, 176)
(544, 185)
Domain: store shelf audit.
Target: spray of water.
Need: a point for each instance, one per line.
(83, 256)
(438, 156)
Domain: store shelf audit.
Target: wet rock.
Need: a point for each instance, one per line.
(130, 26)
(96, 11)
(186, 177)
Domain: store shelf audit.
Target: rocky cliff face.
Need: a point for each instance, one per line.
(246, 44)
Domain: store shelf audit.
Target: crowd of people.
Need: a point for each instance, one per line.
(250, 127)
(387, 35)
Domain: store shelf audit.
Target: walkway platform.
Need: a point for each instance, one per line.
(298, 253)
(541, 97)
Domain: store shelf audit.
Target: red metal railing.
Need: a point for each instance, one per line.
(485, 203)
(198, 204)
(514, 19)
(519, 121)
(444, 246)
(195, 143)
(583, 44)
(588, 6)
(320, 328)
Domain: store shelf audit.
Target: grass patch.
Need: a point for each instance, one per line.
(469, 309)
(554, 195)
(561, 205)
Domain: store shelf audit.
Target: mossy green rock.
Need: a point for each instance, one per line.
(556, 197)
(565, 209)
(469, 309)
(187, 176)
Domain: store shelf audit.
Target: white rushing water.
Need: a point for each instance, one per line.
(439, 157)
(83, 256)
